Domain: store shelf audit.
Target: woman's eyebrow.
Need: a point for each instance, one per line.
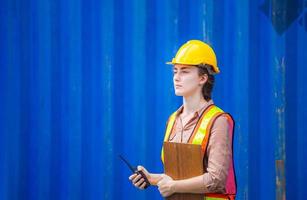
(182, 68)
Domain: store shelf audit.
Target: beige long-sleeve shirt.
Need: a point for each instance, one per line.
(218, 152)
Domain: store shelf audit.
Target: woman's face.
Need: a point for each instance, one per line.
(187, 80)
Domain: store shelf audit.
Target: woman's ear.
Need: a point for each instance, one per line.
(203, 79)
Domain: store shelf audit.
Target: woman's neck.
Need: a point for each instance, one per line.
(192, 103)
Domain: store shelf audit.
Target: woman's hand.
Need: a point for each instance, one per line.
(137, 179)
(166, 186)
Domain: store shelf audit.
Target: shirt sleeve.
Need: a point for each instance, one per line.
(218, 157)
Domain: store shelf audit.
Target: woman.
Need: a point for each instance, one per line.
(194, 67)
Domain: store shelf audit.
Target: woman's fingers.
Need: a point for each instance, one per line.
(143, 185)
(132, 176)
(139, 183)
(162, 191)
(136, 179)
(141, 168)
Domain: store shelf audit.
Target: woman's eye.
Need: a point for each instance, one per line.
(185, 72)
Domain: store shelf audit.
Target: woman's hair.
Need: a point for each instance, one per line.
(208, 86)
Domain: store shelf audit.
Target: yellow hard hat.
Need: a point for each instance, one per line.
(196, 52)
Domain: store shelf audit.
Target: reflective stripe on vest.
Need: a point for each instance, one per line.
(200, 136)
(169, 128)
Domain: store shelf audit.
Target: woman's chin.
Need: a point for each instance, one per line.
(178, 93)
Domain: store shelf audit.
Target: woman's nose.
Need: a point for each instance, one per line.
(176, 77)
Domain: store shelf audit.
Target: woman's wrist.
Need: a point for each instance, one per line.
(174, 186)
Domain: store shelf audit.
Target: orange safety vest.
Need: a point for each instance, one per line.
(200, 136)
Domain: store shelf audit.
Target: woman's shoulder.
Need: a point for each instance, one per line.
(224, 114)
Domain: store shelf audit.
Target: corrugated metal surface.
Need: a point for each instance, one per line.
(82, 81)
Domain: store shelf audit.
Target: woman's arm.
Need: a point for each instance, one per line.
(191, 185)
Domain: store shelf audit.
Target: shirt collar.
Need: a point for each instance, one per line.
(199, 111)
